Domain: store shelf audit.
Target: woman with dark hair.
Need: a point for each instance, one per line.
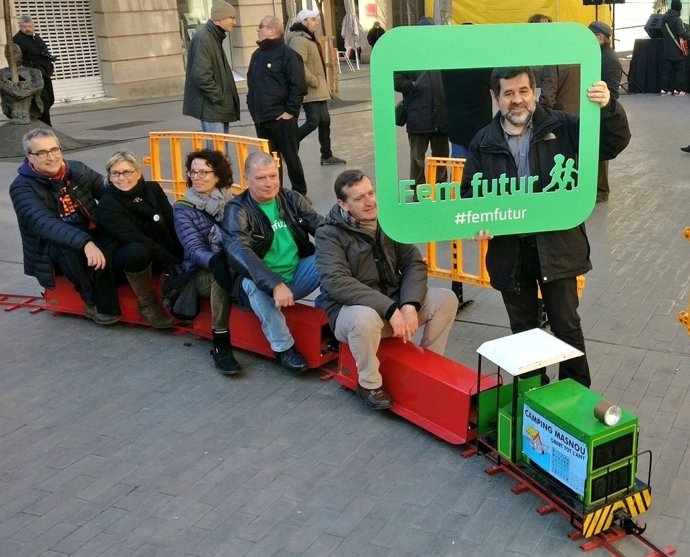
(136, 218)
(198, 219)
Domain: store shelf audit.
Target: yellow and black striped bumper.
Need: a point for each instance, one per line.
(600, 519)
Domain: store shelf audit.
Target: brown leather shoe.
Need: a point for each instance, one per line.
(378, 399)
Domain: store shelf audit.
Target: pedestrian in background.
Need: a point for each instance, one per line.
(427, 121)
(276, 86)
(375, 33)
(210, 94)
(302, 39)
(673, 78)
(35, 54)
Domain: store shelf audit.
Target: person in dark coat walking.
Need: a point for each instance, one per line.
(276, 85)
(427, 121)
(55, 203)
(673, 78)
(375, 33)
(137, 221)
(210, 93)
(522, 140)
(35, 54)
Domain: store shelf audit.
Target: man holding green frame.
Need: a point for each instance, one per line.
(527, 141)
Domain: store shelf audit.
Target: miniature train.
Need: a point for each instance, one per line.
(546, 437)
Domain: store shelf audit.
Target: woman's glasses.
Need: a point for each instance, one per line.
(199, 173)
(124, 173)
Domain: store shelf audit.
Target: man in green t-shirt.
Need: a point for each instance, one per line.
(266, 236)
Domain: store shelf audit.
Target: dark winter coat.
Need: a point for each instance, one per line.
(35, 53)
(611, 70)
(425, 100)
(356, 269)
(193, 228)
(562, 253)
(374, 35)
(560, 88)
(468, 102)
(35, 201)
(247, 234)
(210, 93)
(141, 215)
(671, 50)
(276, 82)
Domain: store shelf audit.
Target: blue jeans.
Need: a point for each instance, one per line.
(273, 324)
(458, 151)
(215, 127)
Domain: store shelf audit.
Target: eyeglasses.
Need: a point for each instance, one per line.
(200, 173)
(55, 151)
(124, 173)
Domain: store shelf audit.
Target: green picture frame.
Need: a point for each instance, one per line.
(436, 217)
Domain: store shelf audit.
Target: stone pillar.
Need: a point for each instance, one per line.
(139, 47)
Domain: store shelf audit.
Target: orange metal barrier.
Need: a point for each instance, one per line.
(457, 272)
(684, 316)
(169, 149)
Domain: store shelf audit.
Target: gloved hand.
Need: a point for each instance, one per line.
(221, 271)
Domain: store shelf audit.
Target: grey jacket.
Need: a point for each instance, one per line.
(210, 93)
(356, 269)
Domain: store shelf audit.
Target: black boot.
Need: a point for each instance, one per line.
(222, 353)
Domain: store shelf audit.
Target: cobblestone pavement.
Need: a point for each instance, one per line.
(125, 441)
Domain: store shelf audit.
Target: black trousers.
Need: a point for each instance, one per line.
(318, 117)
(560, 301)
(94, 287)
(48, 98)
(673, 75)
(283, 137)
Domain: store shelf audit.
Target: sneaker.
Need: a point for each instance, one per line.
(292, 360)
(662, 92)
(679, 93)
(331, 160)
(378, 399)
(685, 149)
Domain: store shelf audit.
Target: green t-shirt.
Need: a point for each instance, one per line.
(282, 257)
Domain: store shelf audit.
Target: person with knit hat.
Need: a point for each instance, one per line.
(673, 78)
(210, 93)
(302, 39)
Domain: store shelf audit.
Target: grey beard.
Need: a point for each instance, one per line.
(519, 120)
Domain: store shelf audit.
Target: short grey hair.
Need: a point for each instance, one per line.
(122, 156)
(257, 158)
(25, 19)
(36, 133)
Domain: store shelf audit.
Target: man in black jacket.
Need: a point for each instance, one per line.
(522, 140)
(276, 84)
(266, 237)
(375, 287)
(35, 54)
(55, 202)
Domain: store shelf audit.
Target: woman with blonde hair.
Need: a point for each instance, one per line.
(137, 221)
